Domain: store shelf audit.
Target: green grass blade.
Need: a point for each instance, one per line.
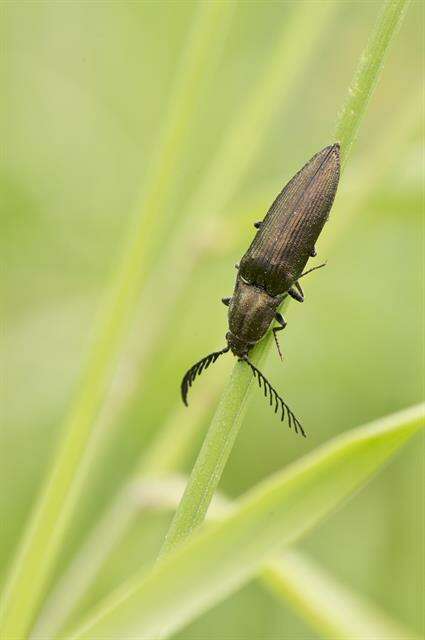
(219, 559)
(331, 609)
(368, 72)
(213, 456)
(297, 42)
(54, 509)
(164, 456)
(175, 441)
(210, 464)
(73, 585)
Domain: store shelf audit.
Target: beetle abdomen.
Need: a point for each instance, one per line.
(288, 233)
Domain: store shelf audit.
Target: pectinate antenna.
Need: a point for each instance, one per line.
(279, 403)
(196, 370)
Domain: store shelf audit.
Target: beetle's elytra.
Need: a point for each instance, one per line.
(271, 268)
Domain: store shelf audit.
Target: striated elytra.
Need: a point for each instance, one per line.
(272, 266)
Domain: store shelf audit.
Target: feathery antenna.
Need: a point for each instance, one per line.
(196, 370)
(275, 398)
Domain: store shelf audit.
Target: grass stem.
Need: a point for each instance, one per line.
(213, 456)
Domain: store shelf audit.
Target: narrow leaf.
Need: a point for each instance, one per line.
(330, 608)
(222, 556)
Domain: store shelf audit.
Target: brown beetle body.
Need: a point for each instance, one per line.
(280, 249)
(271, 268)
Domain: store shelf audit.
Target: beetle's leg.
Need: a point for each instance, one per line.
(282, 324)
(313, 253)
(298, 286)
(237, 265)
(257, 225)
(281, 320)
(294, 293)
(319, 266)
(226, 301)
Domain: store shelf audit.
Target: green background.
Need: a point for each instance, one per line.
(85, 90)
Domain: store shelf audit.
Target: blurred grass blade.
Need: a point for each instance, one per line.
(303, 29)
(368, 72)
(45, 531)
(221, 436)
(73, 585)
(166, 455)
(173, 444)
(217, 560)
(330, 608)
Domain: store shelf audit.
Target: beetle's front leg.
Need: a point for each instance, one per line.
(282, 324)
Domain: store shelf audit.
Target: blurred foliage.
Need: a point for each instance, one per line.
(86, 87)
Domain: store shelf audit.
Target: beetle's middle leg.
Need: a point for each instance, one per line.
(282, 324)
(319, 266)
(296, 292)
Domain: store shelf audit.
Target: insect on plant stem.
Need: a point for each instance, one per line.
(271, 268)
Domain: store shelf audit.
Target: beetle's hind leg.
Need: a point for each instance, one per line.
(282, 324)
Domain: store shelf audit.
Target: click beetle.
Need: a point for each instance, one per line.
(271, 268)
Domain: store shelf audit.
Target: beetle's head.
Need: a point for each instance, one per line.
(237, 346)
